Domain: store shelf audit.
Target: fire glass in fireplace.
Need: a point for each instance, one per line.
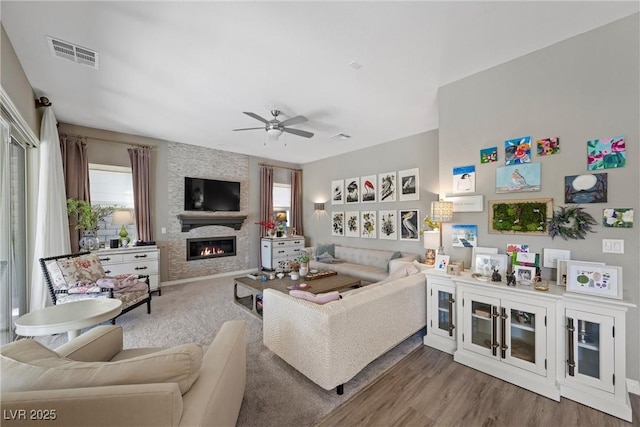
(210, 247)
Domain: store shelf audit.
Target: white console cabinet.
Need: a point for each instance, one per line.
(441, 313)
(554, 343)
(594, 355)
(142, 260)
(280, 249)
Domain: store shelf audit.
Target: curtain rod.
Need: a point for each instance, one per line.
(279, 167)
(106, 140)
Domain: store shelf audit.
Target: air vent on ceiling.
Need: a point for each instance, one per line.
(74, 53)
(341, 136)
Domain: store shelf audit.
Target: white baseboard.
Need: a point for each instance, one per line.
(633, 386)
(213, 276)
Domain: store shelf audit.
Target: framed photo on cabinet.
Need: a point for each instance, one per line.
(593, 279)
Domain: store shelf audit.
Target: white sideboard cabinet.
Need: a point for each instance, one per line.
(554, 343)
(142, 260)
(280, 249)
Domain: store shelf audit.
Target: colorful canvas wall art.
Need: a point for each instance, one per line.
(337, 192)
(387, 187)
(464, 236)
(368, 189)
(548, 146)
(388, 221)
(518, 178)
(409, 224)
(517, 151)
(606, 153)
(489, 155)
(352, 224)
(464, 179)
(585, 188)
(352, 186)
(409, 181)
(618, 218)
(337, 223)
(368, 224)
(516, 247)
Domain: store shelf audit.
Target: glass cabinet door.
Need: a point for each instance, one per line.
(442, 320)
(481, 319)
(590, 349)
(524, 342)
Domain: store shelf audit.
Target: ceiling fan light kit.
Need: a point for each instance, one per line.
(275, 127)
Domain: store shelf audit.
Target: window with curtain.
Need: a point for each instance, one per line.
(13, 244)
(282, 200)
(112, 185)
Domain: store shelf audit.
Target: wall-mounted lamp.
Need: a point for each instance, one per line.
(441, 212)
(318, 207)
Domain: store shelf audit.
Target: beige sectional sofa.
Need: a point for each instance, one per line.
(92, 381)
(371, 265)
(331, 343)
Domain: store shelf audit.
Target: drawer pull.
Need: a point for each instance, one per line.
(140, 268)
(141, 256)
(105, 259)
(107, 271)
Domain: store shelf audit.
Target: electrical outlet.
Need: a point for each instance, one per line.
(613, 246)
(163, 230)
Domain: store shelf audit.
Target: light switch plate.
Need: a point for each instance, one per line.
(551, 257)
(613, 246)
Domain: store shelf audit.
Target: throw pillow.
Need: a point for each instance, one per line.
(28, 365)
(394, 255)
(82, 268)
(329, 248)
(55, 274)
(327, 259)
(318, 299)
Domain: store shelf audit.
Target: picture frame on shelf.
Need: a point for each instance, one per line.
(480, 250)
(596, 280)
(525, 275)
(561, 270)
(442, 261)
(485, 264)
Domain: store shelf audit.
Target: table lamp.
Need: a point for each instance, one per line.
(441, 212)
(123, 218)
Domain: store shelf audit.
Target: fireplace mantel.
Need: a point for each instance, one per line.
(193, 221)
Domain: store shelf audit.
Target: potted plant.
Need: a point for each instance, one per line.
(303, 259)
(87, 218)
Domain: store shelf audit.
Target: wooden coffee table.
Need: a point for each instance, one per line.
(250, 297)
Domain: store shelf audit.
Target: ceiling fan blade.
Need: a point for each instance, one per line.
(298, 132)
(294, 121)
(257, 117)
(262, 127)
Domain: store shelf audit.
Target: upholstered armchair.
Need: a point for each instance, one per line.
(80, 276)
(93, 381)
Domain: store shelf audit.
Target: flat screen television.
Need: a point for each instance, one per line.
(211, 195)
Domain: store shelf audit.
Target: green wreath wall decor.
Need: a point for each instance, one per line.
(571, 222)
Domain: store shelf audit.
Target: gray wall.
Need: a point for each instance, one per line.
(580, 89)
(417, 151)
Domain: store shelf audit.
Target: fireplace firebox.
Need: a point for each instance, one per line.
(210, 247)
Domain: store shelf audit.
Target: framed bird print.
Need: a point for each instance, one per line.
(409, 184)
(368, 188)
(387, 187)
(388, 223)
(352, 190)
(518, 178)
(337, 192)
(352, 224)
(409, 224)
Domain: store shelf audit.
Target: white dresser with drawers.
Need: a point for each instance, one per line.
(274, 250)
(142, 260)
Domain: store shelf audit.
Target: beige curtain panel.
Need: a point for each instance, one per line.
(75, 165)
(296, 201)
(140, 170)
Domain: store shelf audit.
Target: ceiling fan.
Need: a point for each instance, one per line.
(275, 127)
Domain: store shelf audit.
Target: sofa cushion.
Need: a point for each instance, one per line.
(327, 258)
(28, 365)
(318, 299)
(326, 248)
(395, 255)
(81, 268)
(368, 257)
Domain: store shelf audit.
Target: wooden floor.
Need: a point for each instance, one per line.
(428, 388)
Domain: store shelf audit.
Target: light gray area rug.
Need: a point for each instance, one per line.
(276, 394)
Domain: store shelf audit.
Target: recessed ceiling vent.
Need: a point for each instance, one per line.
(341, 136)
(74, 53)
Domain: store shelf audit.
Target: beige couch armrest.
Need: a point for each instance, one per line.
(138, 405)
(216, 396)
(100, 344)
